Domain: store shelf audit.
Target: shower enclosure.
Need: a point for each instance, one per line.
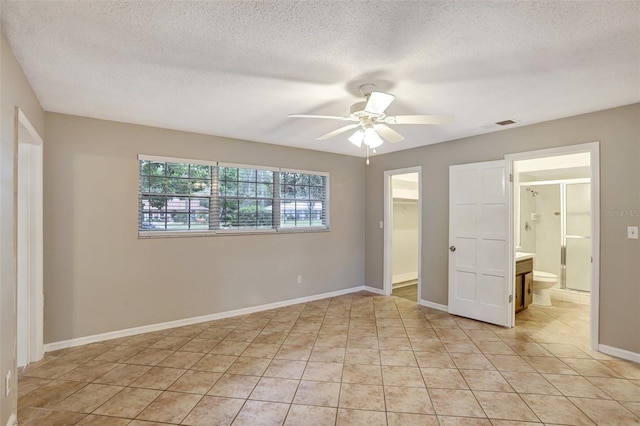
(555, 224)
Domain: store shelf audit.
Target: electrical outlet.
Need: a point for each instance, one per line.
(7, 383)
(299, 279)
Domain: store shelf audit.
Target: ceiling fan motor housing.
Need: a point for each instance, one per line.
(357, 111)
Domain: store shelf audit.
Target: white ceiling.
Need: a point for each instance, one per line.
(238, 68)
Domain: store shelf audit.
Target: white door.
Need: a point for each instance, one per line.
(480, 259)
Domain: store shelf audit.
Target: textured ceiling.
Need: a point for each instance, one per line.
(238, 68)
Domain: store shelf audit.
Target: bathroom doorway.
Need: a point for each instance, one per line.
(402, 233)
(557, 226)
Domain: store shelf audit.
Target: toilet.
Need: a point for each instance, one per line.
(542, 283)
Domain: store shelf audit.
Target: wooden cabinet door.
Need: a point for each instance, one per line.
(519, 304)
(528, 289)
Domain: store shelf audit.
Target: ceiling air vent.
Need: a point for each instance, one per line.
(493, 126)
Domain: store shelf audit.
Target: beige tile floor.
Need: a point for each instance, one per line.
(358, 359)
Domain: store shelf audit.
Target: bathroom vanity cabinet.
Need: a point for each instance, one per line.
(524, 284)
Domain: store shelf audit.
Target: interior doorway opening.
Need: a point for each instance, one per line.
(29, 242)
(403, 214)
(556, 231)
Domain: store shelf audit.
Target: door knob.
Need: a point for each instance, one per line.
(452, 248)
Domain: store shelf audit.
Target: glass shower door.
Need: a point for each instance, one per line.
(577, 236)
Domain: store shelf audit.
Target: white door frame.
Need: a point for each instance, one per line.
(29, 241)
(387, 285)
(594, 149)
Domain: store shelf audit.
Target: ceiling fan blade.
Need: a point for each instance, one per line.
(388, 133)
(378, 102)
(330, 117)
(338, 131)
(418, 119)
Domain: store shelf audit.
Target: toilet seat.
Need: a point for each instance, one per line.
(544, 277)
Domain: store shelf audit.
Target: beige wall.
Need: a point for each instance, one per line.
(14, 91)
(100, 277)
(618, 131)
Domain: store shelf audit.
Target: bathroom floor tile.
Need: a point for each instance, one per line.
(408, 400)
(447, 378)
(195, 381)
(323, 371)
(354, 359)
(234, 385)
(275, 390)
(604, 412)
(261, 413)
(170, 407)
(505, 406)
(576, 386)
(403, 419)
(556, 410)
(88, 398)
(362, 397)
(348, 417)
(530, 383)
(454, 402)
(129, 402)
(285, 369)
(324, 394)
(362, 374)
(307, 414)
(402, 376)
(485, 380)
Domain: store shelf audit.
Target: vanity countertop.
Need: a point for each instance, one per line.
(520, 255)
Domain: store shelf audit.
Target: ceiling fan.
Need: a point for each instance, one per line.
(371, 121)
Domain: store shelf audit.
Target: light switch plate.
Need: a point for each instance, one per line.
(632, 232)
(381, 225)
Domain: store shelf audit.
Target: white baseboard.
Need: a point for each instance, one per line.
(433, 305)
(402, 285)
(571, 296)
(13, 420)
(400, 278)
(373, 290)
(196, 320)
(620, 353)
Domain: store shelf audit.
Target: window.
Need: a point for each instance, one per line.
(175, 196)
(302, 199)
(178, 196)
(246, 198)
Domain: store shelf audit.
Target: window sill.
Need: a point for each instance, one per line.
(143, 235)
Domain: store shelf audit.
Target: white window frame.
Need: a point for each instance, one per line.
(246, 230)
(327, 206)
(215, 201)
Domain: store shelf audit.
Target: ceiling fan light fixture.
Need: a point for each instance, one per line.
(371, 138)
(357, 138)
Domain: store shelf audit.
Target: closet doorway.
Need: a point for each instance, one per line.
(402, 236)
